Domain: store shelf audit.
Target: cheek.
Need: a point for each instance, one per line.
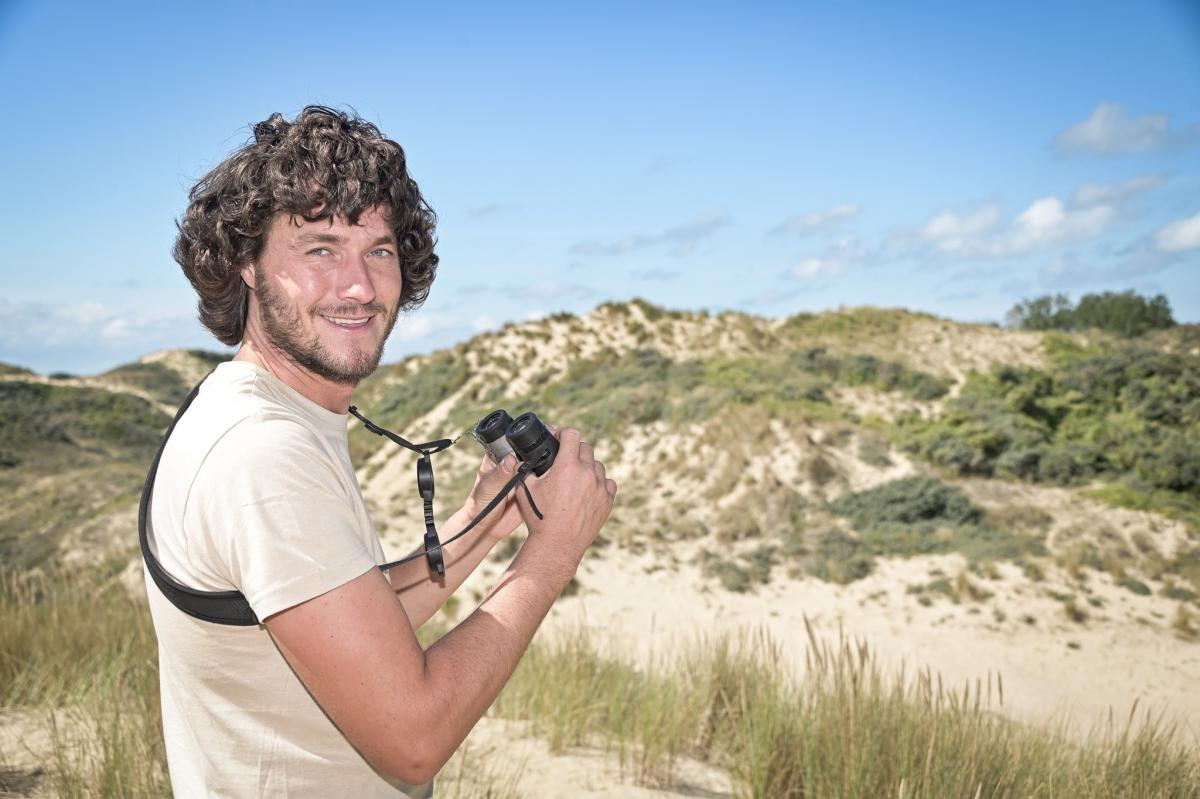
(289, 286)
(302, 289)
(391, 284)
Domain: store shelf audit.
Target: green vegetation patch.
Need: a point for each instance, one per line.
(853, 324)
(843, 729)
(66, 454)
(611, 391)
(39, 422)
(13, 369)
(155, 378)
(913, 516)
(867, 370)
(1119, 413)
(1124, 313)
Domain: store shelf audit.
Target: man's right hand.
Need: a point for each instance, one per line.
(407, 710)
(575, 497)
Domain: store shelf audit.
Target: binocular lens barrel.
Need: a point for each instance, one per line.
(493, 426)
(490, 434)
(526, 436)
(532, 442)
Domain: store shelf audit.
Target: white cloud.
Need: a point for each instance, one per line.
(1179, 236)
(86, 313)
(819, 221)
(951, 232)
(811, 268)
(116, 329)
(1112, 193)
(481, 324)
(682, 238)
(1046, 223)
(846, 252)
(24, 325)
(1109, 130)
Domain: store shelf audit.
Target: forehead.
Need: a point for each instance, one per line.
(372, 223)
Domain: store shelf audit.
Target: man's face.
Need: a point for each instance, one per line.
(328, 292)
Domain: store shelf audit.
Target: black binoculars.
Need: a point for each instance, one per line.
(526, 437)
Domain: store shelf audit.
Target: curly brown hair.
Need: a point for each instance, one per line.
(325, 164)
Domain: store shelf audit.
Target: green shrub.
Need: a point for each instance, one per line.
(1123, 313)
(908, 501)
(841, 558)
(917, 516)
(1124, 414)
(1136, 586)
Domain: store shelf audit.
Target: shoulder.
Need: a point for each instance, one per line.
(267, 452)
(257, 422)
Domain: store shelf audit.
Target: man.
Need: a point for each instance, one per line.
(304, 246)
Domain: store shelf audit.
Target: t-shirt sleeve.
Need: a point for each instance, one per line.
(269, 510)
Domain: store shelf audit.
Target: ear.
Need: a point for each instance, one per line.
(247, 272)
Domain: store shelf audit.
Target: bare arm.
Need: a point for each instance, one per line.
(407, 710)
(413, 582)
(422, 595)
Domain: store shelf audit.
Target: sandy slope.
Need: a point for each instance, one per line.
(1054, 671)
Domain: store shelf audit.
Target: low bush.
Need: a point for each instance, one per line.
(916, 516)
(1123, 414)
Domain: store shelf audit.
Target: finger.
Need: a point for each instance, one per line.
(611, 486)
(585, 452)
(493, 476)
(553, 430)
(568, 442)
(599, 471)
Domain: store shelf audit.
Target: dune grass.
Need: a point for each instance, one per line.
(845, 729)
(82, 658)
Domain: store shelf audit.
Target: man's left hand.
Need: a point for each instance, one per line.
(491, 478)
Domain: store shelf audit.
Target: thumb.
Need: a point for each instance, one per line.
(492, 480)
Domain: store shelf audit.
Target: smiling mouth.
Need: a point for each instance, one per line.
(343, 321)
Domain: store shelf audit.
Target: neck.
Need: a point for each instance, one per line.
(329, 395)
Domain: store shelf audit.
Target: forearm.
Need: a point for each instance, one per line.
(469, 666)
(421, 595)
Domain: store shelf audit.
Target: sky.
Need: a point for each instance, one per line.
(768, 158)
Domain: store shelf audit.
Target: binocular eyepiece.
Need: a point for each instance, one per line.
(526, 437)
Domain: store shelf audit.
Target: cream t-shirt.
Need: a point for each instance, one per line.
(255, 492)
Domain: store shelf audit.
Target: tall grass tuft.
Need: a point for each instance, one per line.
(81, 658)
(846, 728)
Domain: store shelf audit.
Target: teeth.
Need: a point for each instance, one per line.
(348, 322)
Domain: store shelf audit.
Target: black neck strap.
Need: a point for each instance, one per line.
(231, 607)
(219, 607)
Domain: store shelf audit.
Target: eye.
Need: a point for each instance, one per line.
(381, 252)
(318, 251)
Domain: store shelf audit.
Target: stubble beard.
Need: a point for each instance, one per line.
(284, 327)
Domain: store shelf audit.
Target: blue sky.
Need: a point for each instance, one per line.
(769, 158)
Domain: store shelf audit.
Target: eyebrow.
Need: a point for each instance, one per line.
(330, 238)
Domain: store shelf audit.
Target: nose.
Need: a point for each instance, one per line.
(354, 282)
